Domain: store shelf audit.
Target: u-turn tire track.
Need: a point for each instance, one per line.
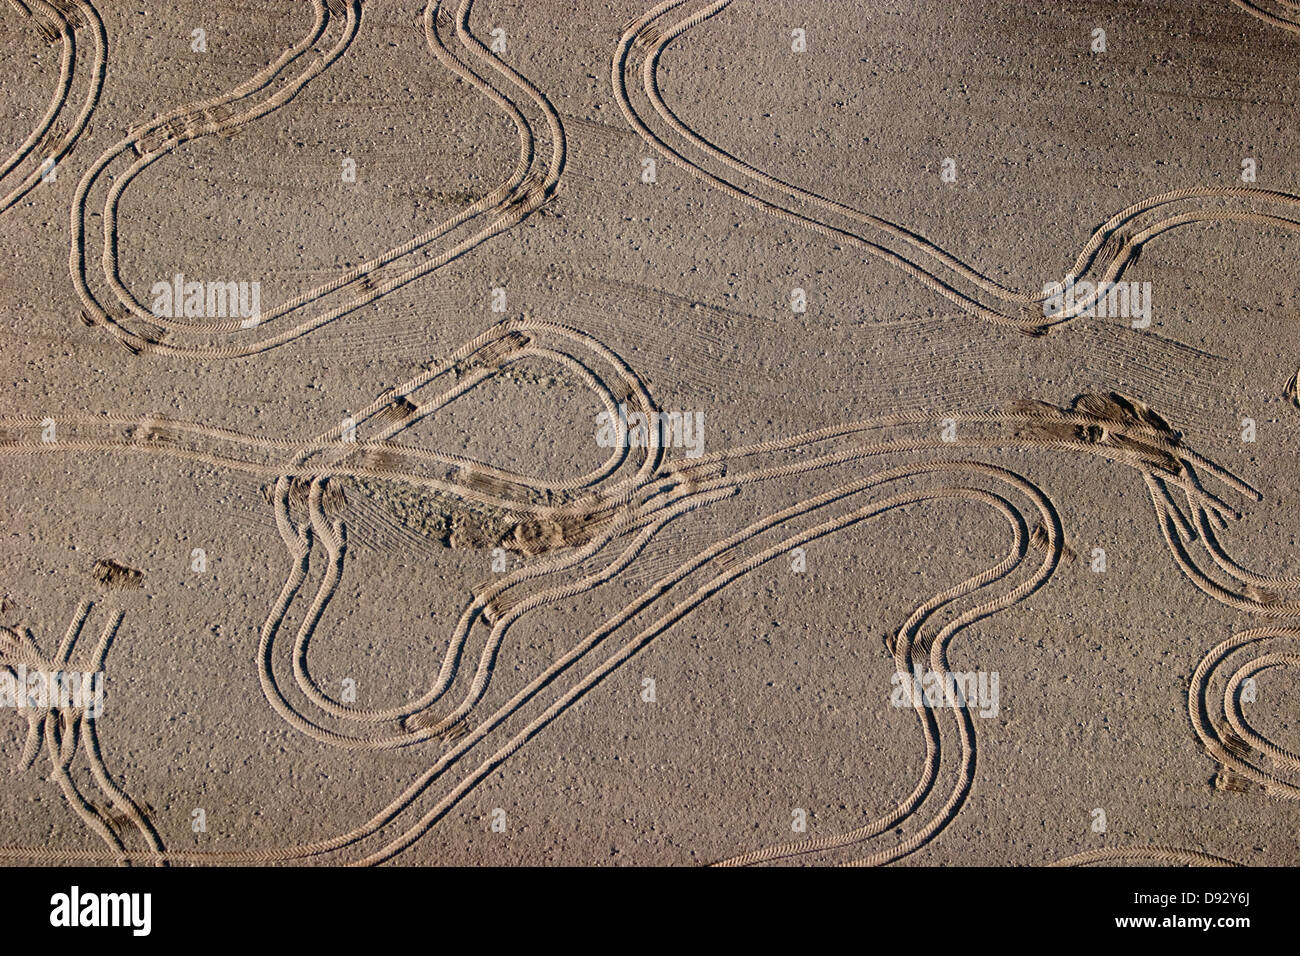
(527, 188)
(64, 18)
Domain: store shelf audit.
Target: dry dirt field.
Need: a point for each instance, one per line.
(747, 432)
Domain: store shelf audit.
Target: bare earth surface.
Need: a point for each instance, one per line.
(370, 572)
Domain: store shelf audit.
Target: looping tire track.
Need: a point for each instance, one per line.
(528, 187)
(1249, 762)
(636, 497)
(648, 500)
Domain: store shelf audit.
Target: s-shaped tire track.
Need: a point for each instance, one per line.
(1112, 247)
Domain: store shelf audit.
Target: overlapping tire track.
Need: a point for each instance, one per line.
(68, 731)
(580, 533)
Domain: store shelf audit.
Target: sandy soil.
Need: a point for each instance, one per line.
(364, 574)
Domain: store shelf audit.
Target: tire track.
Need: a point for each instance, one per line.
(593, 529)
(52, 140)
(1113, 246)
(527, 189)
